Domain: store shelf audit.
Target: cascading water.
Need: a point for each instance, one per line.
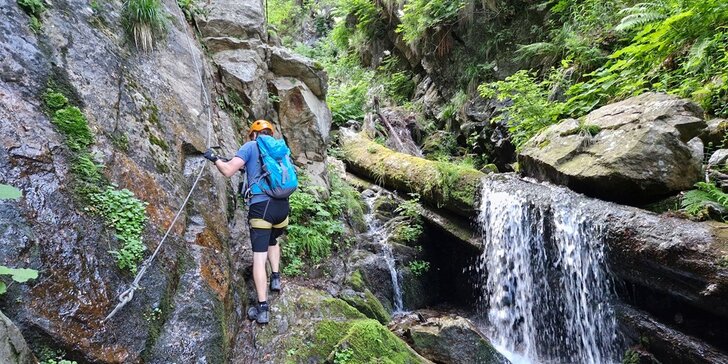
(378, 233)
(547, 296)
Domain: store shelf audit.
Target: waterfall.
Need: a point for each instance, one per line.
(378, 233)
(547, 296)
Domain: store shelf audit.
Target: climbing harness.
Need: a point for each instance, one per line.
(126, 296)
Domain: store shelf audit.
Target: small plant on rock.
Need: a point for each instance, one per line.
(343, 355)
(144, 20)
(126, 214)
(418, 267)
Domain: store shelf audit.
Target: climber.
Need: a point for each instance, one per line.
(267, 217)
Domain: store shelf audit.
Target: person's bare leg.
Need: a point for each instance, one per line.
(259, 276)
(274, 257)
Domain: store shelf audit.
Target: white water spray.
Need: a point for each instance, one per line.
(547, 296)
(378, 233)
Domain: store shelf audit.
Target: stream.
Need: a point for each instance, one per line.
(378, 233)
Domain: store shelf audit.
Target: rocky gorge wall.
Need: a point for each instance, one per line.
(148, 117)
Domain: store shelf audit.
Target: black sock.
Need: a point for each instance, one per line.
(263, 305)
(275, 275)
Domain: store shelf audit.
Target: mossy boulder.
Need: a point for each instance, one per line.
(634, 151)
(362, 341)
(366, 303)
(308, 325)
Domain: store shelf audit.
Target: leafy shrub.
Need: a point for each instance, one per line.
(423, 15)
(679, 47)
(144, 20)
(530, 110)
(410, 230)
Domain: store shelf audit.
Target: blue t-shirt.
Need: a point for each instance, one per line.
(250, 154)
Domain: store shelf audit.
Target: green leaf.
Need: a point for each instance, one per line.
(19, 275)
(9, 192)
(3, 288)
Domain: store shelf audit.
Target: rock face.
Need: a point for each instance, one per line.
(272, 82)
(13, 349)
(148, 117)
(632, 151)
(453, 339)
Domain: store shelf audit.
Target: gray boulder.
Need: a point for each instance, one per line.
(241, 19)
(285, 63)
(13, 348)
(718, 158)
(303, 117)
(715, 132)
(453, 339)
(632, 151)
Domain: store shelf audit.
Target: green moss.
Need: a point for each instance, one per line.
(53, 100)
(545, 143)
(369, 342)
(158, 142)
(154, 115)
(72, 123)
(356, 281)
(369, 305)
(334, 307)
(366, 339)
(120, 141)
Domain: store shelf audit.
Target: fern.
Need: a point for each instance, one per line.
(642, 14)
(695, 202)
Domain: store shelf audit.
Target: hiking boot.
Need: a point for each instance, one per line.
(261, 316)
(275, 283)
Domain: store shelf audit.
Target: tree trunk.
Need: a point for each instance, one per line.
(440, 184)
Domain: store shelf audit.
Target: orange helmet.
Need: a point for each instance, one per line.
(260, 125)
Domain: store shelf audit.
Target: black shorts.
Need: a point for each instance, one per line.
(267, 220)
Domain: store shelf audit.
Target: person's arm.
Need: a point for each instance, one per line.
(230, 167)
(227, 168)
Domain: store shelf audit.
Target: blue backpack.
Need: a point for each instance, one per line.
(278, 177)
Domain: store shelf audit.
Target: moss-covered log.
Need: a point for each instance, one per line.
(440, 184)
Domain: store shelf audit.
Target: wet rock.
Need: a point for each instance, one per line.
(664, 343)
(453, 340)
(13, 348)
(366, 303)
(631, 151)
(375, 275)
(285, 63)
